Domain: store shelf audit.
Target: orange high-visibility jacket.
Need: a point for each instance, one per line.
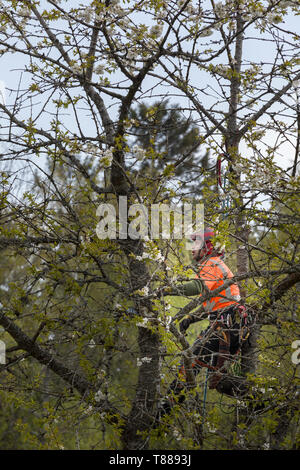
(213, 272)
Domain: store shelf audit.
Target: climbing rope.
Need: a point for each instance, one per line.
(222, 409)
(223, 184)
(225, 209)
(235, 366)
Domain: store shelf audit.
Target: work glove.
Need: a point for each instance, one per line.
(184, 324)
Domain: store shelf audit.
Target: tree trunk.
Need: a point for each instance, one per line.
(138, 424)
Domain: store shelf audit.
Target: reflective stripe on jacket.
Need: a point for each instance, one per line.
(213, 273)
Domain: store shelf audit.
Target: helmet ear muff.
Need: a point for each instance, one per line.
(209, 247)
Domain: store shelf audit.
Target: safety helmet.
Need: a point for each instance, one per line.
(206, 237)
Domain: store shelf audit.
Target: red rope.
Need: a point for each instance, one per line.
(219, 181)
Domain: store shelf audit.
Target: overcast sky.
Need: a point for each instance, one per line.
(11, 66)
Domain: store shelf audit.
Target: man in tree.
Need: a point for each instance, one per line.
(221, 339)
